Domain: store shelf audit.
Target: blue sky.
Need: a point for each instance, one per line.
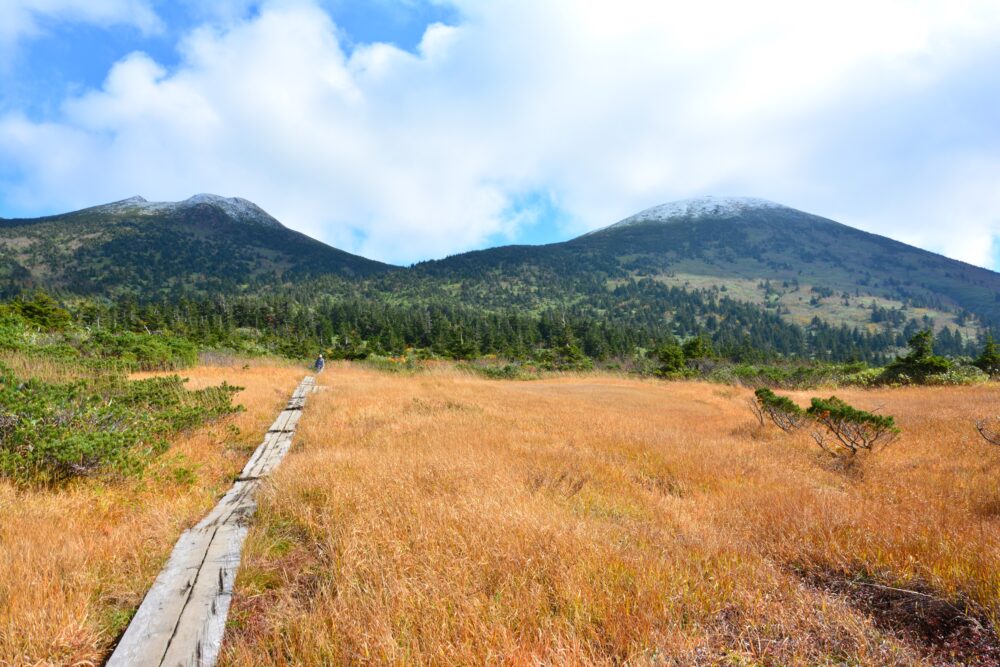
(67, 56)
(412, 129)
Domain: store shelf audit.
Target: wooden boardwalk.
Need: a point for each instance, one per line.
(183, 617)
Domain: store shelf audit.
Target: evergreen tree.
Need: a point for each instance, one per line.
(919, 363)
(671, 358)
(698, 347)
(989, 359)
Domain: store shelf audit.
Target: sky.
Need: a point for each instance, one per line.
(406, 130)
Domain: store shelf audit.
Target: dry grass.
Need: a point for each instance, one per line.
(445, 519)
(76, 562)
(44, 369)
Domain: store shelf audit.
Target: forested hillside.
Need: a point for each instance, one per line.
(620, 325)
(757, 279)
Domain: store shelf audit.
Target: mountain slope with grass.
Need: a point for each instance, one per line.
(206, 243)
(794, 264)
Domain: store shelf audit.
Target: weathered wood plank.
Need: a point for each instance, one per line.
(182, 619)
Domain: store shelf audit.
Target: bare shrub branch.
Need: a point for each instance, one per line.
(756, 410)
(989, 428)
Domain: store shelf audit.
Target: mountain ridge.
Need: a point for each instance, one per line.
(797, 264)
(794, 265)
(241, 210)
(204, 243)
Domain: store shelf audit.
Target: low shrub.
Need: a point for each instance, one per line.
(509, 371)
(14, 334)
(52, 432)
(868, 377)
(393, 364)
(853, 430)
(148, 352)
(781, 410)
(790, 375)
(40, 311)
(848, 430)
(563, 358)
(958, 375)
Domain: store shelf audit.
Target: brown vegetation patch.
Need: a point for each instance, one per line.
(441, 518)
(448, 519)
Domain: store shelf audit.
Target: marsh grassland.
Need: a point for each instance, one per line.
(441, 518)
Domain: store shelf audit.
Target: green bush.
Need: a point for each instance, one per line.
(566, 357)
(509, 371)
(697, 348)
(671, 358)
(789, 375)
(13, 331)
(50, 433)
(683, 361)
(989, 359)
(407, 365)
(143, 351)
(920, 364)
(958, 375)
(41, 311)
(853, 430)
(781, 410)
(868, 377)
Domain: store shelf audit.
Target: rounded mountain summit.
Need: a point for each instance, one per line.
(748, 249)
(205, 243)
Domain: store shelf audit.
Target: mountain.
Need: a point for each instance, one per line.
(750, 273)
(204, 243)
(795, 264)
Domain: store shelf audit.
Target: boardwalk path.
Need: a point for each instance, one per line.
(183, 616)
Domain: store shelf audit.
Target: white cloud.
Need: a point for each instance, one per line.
(20, 18)
(603, 109)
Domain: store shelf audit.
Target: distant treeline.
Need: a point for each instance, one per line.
(609, 324)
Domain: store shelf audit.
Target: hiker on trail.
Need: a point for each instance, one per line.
(320, 364)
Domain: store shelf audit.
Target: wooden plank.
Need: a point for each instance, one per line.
(182, 619)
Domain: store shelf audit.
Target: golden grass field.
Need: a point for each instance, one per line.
(76, 562)
(445, 519)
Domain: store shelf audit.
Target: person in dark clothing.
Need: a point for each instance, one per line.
(320, 364)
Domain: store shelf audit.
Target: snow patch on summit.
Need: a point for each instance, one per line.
(723, 207)
(237, 208)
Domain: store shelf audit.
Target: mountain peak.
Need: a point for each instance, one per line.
(237, 208)
(724, 207)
